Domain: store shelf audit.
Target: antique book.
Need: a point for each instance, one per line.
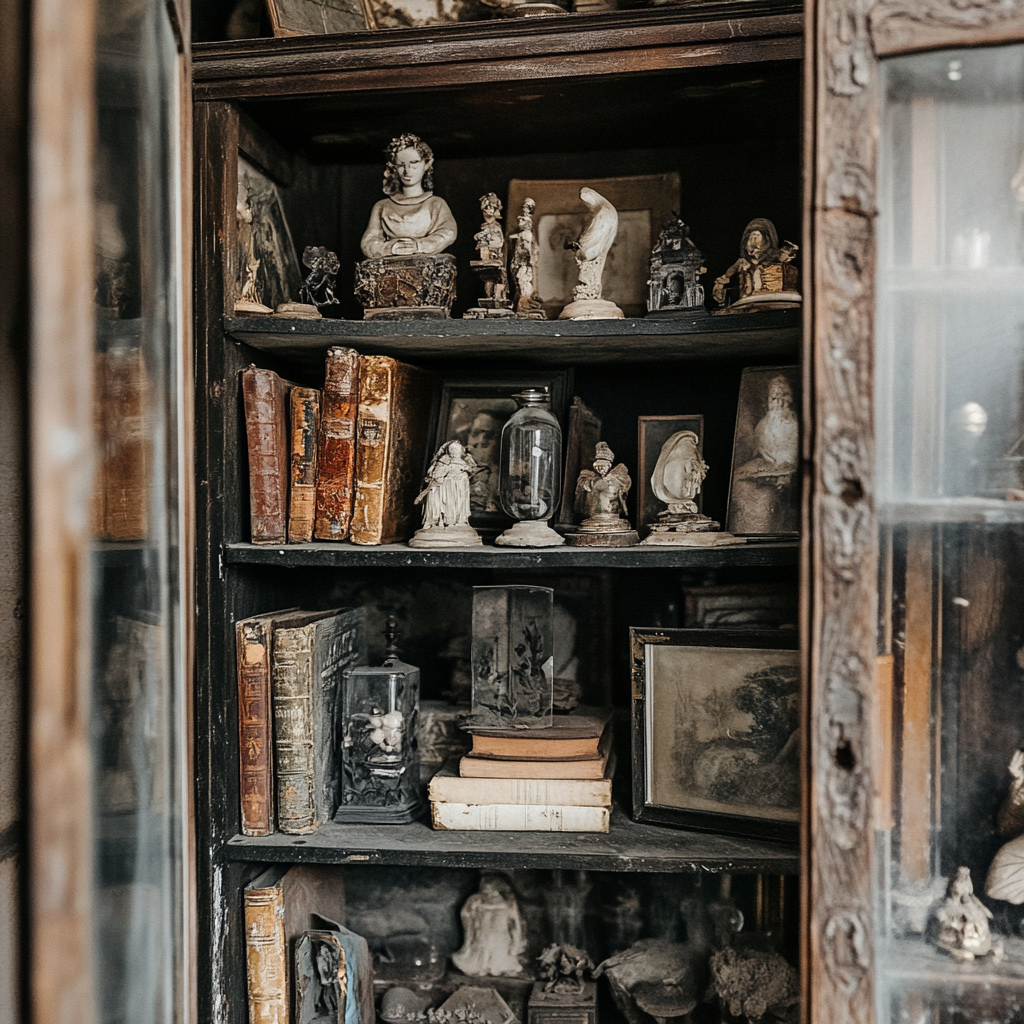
(447, 785)
(455, 817)
(305, 428)
(253, 641)
(582, 435)
(265, 398)
(395, 405)
(279, 905)
(337, 445)
(310, 655)
(575, 736)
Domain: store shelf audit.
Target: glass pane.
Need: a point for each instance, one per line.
(950, 430)
(137, 713)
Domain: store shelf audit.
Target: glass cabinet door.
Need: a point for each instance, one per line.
(949, 412)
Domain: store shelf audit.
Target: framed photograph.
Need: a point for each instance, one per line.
(643, 202)
(764, 489)
(473, 409)
(653, 432)
(716, 741)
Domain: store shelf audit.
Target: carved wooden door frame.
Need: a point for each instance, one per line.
(844, 41)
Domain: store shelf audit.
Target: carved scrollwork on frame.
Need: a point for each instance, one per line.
(902, 26)
(847, 949)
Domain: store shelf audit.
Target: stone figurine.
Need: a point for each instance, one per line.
(525, 256)
(591, 253)
(445, 500)
(601, 498)
(407, 274)
(494, 929)
(764, 271)
(563, 968)
(490, 265)
(962, 922)
(563, 994)
(677, 479)
(673, 285)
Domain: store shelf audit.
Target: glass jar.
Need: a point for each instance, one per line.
(531, 466)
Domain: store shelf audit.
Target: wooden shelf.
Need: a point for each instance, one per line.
(988, 511)
(627, 847)
(326, 554)
(914, 963)
(772, 335)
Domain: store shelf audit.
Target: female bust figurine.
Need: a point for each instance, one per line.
(445, 500)
(411, 219)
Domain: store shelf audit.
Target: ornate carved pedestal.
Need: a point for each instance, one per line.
(406, 287)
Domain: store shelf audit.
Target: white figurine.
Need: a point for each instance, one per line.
(445, 501)
(591, 254)
(964, 922)
(495, 933)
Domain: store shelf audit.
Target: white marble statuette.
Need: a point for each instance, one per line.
(445, 501)
(591, 253)
(494, 932)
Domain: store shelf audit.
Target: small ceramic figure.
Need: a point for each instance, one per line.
(673, 287)
(524, 264)
(318, 288)
(963, 922)
(490, 267)
(601, 498)
(495, 933)
(407, 274)
(445, 501)
(563, 994)
(765, 271)
(563, 967)
(591, 253)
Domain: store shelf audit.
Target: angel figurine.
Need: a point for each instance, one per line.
(445, 500)
(601, 497)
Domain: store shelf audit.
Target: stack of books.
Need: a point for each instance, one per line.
(530, 780)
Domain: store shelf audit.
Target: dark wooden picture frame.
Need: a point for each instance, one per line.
(651, 434)
(467, 396)
(757, 754)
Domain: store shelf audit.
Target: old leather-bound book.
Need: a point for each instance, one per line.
(305, 426)
(265, 397)
(337, 445)
(395, 403)
(310, 656)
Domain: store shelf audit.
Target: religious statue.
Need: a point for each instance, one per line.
(446, 501)
(765, 271)
(963, 922)
(673, 286)
(524, 264)
(249, 301)
(495, 932)
(407, 274)
(601, 498)
(490, 267)
(591, 253)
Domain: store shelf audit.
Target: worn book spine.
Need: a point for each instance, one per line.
(305, 425)
(266, 955)
(457, 817)
(578, 793)
(486, 768)
(264, 398)
(255, 748)
(337, 445)
(294, 729)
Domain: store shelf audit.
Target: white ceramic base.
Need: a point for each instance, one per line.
(693, 540)
(463, 536)
(591, 309)
(530, 534)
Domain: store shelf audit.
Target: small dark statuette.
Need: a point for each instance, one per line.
(601, 498)
(563, 995)
(765, 272)
(318, 288)
(674, 287)
(563, 968)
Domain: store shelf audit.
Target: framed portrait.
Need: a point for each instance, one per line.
(653, 433)
(764, 488)
(473, 409)
(643, 202)
(716, 719)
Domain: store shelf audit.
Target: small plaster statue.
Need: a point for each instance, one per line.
(446, 500)
(490, 266)
(676, 481)
(764, 270)
(591, 253)
(524, 264)
(601, 498)
(963, 922)
(495, 933)
(563, 968)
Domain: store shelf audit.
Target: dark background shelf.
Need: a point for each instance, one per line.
(627, 847)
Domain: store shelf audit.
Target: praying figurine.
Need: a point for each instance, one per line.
(490, 267)
(524, 265)
(601, 498)
(445, 501)
(591, 254)
(494, 931)
(765, 271)
(407, 274)
(963, 922)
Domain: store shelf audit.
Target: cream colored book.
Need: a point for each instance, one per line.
(448, 785)
(458, 817)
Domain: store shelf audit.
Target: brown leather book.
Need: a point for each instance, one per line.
(265, 397)
(305, 427)
(571, 737)
(395, 403)
(337, 445)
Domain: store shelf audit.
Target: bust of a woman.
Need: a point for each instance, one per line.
(411, 220)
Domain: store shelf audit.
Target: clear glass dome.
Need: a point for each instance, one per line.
(531, 459)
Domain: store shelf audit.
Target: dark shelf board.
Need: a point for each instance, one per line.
(326, 554)
(914, 963)
(627, 847)
(756, 336)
